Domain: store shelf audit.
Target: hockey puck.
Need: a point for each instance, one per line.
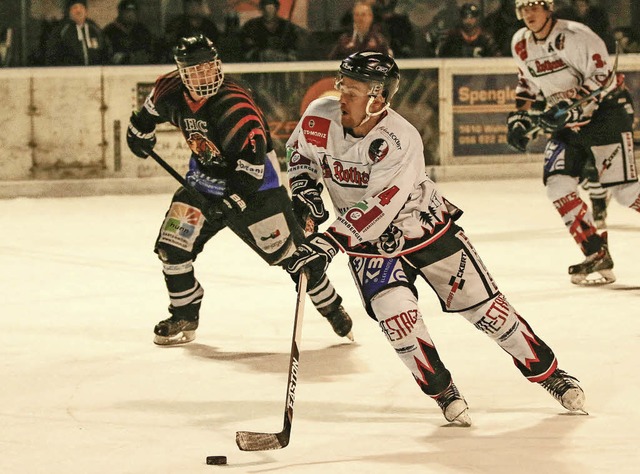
(216, 460)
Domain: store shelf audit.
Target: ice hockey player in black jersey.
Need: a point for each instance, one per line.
(233, 164)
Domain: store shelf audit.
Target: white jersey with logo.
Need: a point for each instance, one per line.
(377, 183)
(572, 60)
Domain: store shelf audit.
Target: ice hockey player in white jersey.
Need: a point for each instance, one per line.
(561, 62)
(395, 226)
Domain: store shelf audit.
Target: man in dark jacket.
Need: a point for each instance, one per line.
(77, 40)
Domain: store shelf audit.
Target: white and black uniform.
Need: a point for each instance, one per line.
(573, 61)
(395, 226)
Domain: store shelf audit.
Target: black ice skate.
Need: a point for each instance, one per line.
(339, 319)
(596, 268)
(599, 211)
(175, 330)
(564, 388)
(453, 406)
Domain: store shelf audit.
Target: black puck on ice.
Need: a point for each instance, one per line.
(216, 460)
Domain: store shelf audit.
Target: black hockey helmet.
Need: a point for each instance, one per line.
(199, 65)
(377, 69)
(470, 10)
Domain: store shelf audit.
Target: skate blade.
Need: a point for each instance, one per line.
(180, 338)
(602, 277)
(350, 336)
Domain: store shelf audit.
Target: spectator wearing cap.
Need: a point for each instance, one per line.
(269, 37)
(131, 41)
(195, 20)
(77, 40)
(468, 40)
(362, 37)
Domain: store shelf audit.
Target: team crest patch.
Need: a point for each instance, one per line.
(378, 149)
(204, 148)
(560, 42)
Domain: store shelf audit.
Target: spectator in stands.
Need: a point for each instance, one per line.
(468, 40)
(398, 28)
(362, 37)
(194, 21)
(627, 39)
(502, 24)
(443, 22)
(346, 22)
(131, 41)
(77, 40)
(269, 37)
(593, 16)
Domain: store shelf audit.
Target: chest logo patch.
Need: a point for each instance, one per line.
(206, 150)
(316, 130)
(378, 149)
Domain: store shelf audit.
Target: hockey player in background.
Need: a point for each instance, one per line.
(395, 226)
(233, 164)
(560, 62)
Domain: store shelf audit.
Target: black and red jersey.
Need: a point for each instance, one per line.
(227, 133)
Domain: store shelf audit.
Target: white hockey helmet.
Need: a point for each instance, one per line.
(528, 3)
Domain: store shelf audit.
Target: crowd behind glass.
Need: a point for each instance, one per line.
(454, 31)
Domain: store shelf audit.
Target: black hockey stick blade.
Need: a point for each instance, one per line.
(254, 441)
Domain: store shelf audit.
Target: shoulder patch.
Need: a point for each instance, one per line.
(378, 149)
(316, 130)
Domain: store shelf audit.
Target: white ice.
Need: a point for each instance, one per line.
(84, 390)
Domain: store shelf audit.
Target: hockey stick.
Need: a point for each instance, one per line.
(253, 441)
(612, 77)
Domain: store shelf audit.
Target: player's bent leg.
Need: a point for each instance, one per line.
(627, 195)
(531, 355)
(597, 268)
(397, 313)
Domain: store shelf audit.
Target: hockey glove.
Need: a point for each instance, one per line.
(139, 139)
(224, 201)
(560, 116)
(307, 201)
(315, 253)
(519, 123)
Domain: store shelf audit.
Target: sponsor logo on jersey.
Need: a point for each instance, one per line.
(521, 49)
(545, 67)
(351, 175)
(394, 138)
(257, 171)
(182, 226)
(378, 149)
(207, 152)
(299, 160)
(316, 130)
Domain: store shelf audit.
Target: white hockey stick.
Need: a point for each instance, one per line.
(612, 77)
(253, 441)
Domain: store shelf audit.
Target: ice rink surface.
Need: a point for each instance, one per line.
(84, 389)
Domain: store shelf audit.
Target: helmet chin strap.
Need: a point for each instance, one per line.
(541, 28)
(372, 114)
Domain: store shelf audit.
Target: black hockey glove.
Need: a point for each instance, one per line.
(140, 139)
(315, 253)
(559, 117)
(519, 123)
(307, 202)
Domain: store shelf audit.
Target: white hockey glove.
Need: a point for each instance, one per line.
(307, 200)
(560, 116)
(316, 252)
(140, 139)
(519, 123)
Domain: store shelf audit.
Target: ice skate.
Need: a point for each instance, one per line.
(453, 406)
(564, 388)
(595, 270)
(175, 330)
(339, 319)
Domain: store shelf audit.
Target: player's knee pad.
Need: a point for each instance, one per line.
(560, 185)
(627, 195)
(397, 313)
(496, 317)
(170, 255)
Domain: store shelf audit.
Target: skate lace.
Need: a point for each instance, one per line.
(447, 396)
(558, 383)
